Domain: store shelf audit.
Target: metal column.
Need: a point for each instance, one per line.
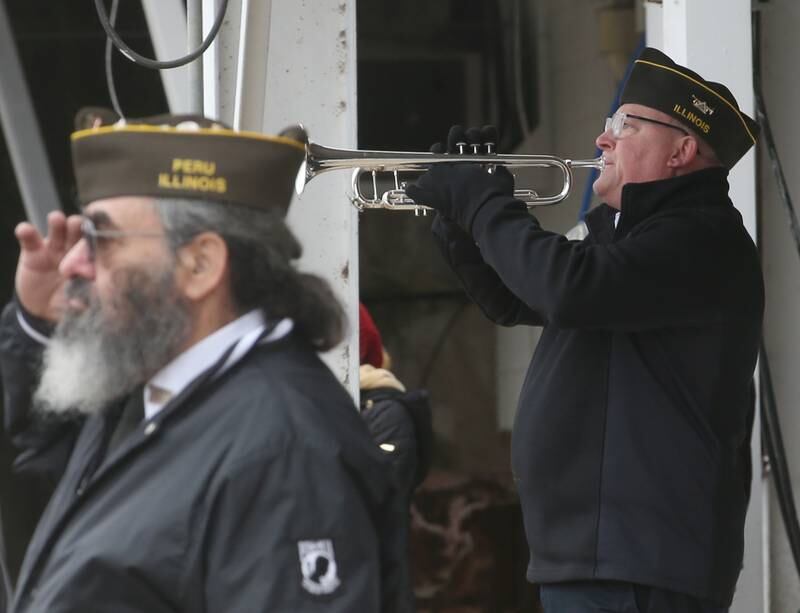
(311, 78)
(296, 63)
(165, 18)
(21, 129)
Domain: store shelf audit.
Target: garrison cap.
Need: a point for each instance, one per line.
(184, 156)
(707, 108)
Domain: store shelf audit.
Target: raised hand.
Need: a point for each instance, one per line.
(38, 283)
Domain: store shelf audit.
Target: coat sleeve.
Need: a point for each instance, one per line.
(291, 533)
(682, 267)
(44, 444)
(389, 422)
(483, 285)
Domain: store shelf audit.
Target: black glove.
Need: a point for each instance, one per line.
(458, 191)
(468, 142)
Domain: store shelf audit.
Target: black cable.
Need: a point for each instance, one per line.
(112, 90)
(777, 458)
(151, 63)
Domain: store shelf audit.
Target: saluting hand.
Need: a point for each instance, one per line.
(38, 283)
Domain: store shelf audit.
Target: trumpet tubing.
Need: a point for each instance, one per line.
(320, 159)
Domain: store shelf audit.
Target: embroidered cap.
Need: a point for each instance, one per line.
(707, 108)
(184, 156)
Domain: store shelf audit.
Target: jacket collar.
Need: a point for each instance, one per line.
(641, 200)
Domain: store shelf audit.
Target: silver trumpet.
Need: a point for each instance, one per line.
(320, 159)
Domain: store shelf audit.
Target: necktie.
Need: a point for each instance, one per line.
(132, 415)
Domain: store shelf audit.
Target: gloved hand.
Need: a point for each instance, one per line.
(458, 191)
(472, 141)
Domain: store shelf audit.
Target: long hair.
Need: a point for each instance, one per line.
(261, 250)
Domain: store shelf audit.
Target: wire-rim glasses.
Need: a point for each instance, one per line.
(91, 234)
(616, 123)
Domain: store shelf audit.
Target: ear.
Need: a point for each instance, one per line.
(684, 153)
(203, 266)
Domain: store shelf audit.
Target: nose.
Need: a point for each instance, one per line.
(77, 263)
(605, 140)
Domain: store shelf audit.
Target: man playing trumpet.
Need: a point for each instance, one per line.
(631, 447)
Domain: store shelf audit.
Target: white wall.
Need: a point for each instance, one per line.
(780, 55)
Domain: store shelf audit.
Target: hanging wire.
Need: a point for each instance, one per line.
(112, 90)
(519, 94)
(779, 467)
(149, 62)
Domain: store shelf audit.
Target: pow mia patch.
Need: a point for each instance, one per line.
(318, 565)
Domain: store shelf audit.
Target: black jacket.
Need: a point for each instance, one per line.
(403, 420)
(259, 490)
(400, 422)
(631, 448)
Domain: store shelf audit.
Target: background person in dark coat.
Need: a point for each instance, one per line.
(399, 420)
(210, 460)
(631, 447)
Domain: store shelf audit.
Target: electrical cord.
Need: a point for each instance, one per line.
(773, 441)
(769, 413)
(519, 96)
(151, 63)
(112, 90)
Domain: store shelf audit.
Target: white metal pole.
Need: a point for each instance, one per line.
(296, 62)
(164, 19)
(311, 78)
(21, 129)
(194, 38)
(211, 65)
(724, 53)
(251, 73)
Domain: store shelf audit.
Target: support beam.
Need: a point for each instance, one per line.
(251, 73)
(311, 78)
(210, 62)
(166, 20)
(221, 59)
(723, 53)
(21, 129)
(194, 38)
(296, 62)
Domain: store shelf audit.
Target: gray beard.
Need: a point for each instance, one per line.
(93, 359)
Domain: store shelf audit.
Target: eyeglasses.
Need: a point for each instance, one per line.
(616, 123)
(92, 235)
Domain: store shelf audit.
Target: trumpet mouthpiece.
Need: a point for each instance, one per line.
(599, 163)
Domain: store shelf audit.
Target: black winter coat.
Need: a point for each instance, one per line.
(258, 490)
(631, 448)
(404, 420)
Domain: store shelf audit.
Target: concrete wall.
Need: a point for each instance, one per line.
(780, 54)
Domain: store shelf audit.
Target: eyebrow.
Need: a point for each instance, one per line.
(101, 220)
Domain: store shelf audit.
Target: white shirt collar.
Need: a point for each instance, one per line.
(175, 376)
